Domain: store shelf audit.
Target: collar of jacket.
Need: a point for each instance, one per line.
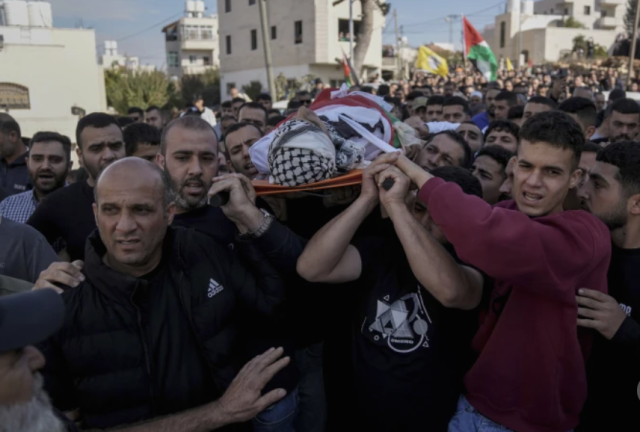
(119, 286)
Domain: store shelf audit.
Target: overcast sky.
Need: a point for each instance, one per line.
(422, 21)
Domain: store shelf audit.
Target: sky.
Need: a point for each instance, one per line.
(137, 24)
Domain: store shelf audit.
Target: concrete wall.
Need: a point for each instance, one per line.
(59, 76)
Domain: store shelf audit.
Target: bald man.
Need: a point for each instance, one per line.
(151, 331)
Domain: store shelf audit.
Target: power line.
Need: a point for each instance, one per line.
(469, 14)
(146, 29)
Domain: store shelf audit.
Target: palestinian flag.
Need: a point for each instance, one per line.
(350, 78)
(478, 51)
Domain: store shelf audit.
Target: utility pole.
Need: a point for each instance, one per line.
(450, 19)
(351, 31)
(399, 65)
(267, 47)
(464, 45)
(632, 54)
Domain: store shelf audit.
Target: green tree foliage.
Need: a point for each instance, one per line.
(570, 22)
(630, 16)
(141, 89)
(579, 42)
(206, 84)
(253, 89)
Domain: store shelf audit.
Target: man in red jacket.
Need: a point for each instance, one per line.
(529, 375)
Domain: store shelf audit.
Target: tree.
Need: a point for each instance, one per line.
(253, 89)
(207, 85)
(571, 23)
(127, 88)
(365, 32)
(580, 43)
(630, 16)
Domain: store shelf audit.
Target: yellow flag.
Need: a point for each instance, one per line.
(509, 65)
(431, 62)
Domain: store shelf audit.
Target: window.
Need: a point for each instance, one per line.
(503, 33)
(252, 2)
(14, 96)
(193, 59)
(344, 35)
(206, 32)
(206, 60)
(298, 32)
(551, 11)
(604, 13)
(566, 11)
(228, 45)
(587, 10)
(274, 32)
(254, 40)
(173, 59)
(227, 6)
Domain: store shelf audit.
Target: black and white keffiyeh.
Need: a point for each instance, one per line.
(301, 153)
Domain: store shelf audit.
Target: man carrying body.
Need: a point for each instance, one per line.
(14, 174)
(238, 140)
(254, 113)
(472, 135)
(444, 149)
(612, 194)
(528, 339)
(67, 213)
(408, 342)
(146, 291)
(48, 162)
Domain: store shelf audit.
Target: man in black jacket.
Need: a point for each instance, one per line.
(152, 330)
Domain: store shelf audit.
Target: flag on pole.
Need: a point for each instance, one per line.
(431, 62)
(350, 78)
(509, 65)
(478, 52)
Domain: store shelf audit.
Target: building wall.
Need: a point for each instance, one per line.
(320, 43)
(241, 78)
(59, 76)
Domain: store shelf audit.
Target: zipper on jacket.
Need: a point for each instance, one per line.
(145, 347)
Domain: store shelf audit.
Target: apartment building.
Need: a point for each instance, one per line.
(191, 43)
(306, 38)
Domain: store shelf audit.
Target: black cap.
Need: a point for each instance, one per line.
(29, 318)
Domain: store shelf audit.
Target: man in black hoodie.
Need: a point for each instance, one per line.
(152, 330)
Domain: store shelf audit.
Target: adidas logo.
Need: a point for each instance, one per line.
(214, 288)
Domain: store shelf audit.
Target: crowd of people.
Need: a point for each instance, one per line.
(483, 279)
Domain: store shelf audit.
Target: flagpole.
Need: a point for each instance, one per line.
(464, 46)
(351, 30)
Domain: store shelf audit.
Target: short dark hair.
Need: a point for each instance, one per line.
(367, 89)
(228, 117)
(124, 121)
(435, 100)
(234, 128)
(95, 120)
(383, 90)
(294, 104)
(584, 108)
(625, 156)
(8, 125)
(140, 133)
(303, 93)
(236, 100)
(503, 126)
(625, 106)
(543, 101)
(135, 110)
(264, 96)
(498, 153)
(392, 101)
(460, 176)
(455, 101)
(510, 97)
(465, 162)
(226, 104)
(557, 129)
(617, 94)
(274, 111)
(254, 105)
(153, 108)
(413, 95)
(53, 136)
(591, 147)
(187, 122)
(275, 120)
(515, 112)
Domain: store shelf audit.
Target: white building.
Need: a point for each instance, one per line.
(529, 30)
(110, 58)
(192, 43)
(306, 38)
(46, 74)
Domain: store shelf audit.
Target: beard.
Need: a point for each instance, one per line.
(33, 416)
(620, 138)
(183, 200)
(616, 218)
(59, 181)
